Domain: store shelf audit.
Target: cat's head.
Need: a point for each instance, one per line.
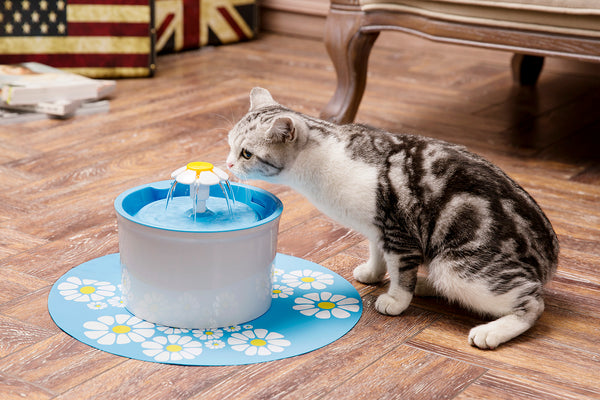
(264, 143)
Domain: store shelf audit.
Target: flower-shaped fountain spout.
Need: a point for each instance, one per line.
(200, 176)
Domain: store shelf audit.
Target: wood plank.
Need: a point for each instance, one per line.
(16, 389)
(409, 373)
(59, 363)
(502, 386)
(520, 357)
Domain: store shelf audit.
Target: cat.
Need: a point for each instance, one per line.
(483, 240)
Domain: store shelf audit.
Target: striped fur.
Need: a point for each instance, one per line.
(483, 240)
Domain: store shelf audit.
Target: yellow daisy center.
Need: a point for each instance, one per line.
(87, 289)
(276, 291)
(258, 342)
(199, 166)
(174, 348)
(121, 329)
(326, 305)
(308, 279)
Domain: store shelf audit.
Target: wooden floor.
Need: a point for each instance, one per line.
(58, 181)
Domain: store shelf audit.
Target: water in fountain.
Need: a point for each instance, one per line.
(179, 212)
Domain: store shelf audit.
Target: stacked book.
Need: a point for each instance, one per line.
(31, 91)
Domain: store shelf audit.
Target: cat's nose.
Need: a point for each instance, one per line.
(229, 165)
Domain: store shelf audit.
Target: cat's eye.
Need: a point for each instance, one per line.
(246, 154)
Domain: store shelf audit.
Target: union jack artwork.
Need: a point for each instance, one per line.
(98, 38)
(188, 24)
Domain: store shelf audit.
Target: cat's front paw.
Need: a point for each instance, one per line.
(485, 337)
(366, 274)
(389, 305)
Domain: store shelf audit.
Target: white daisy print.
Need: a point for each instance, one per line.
(281, 291)
(117, 301)
(214, 344)
(85, 290)
(324, 305)
(172, 348)
(258, 342)
(232, 328)
(120, 329)
(97, 305)
(208, 334)
(171, 331)
(307, 279)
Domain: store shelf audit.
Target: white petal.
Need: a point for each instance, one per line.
(220, 173)
(178, 171)
(161, 339)
(240, 347)
(123, 339)
(75, 280)
(176, 356)
(162, 357)
(208, 178)
(261, 333)
(351, 307)
(275, 349)
(82, 298)
(347, 300)
(323, 314)
(94, 334)
(263, 351)
(136, 337)
(251, 351)
(313, 296)
(152, 345)
(107, 339)
(107, 319)
(273, 335)
(152, 353)
(89, 281)
(96, 326)
(194, 351)
(187, 177)
(279, 342)
(236, 341)
(310, 312)
(339, 313)
(121, 318)
(144, 332)
(67, 286)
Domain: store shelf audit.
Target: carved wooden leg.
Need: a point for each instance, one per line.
(526, 69)
(349, 50)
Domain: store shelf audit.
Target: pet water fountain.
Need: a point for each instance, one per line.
(198, 251)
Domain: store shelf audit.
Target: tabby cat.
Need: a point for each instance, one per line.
(482, 239)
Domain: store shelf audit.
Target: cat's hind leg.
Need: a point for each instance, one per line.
(373, 270)
(492, 334)
(402, 269)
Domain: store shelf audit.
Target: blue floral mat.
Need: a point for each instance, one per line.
(312, 307)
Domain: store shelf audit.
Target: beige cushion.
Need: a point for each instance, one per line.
(571, 17)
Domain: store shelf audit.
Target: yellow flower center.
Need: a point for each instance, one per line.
(276, 291)
(258, 342)
(326, 305)
(174, 348)
(199, 166)
(87, 290)
(307, 279)
(209, 333)
(121, 329)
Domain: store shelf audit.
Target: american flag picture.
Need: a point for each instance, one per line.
(96, 38)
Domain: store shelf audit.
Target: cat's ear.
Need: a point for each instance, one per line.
(259, 98)
(282, 130)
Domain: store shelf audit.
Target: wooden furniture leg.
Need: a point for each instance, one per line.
(526, 69)
(349, 49)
